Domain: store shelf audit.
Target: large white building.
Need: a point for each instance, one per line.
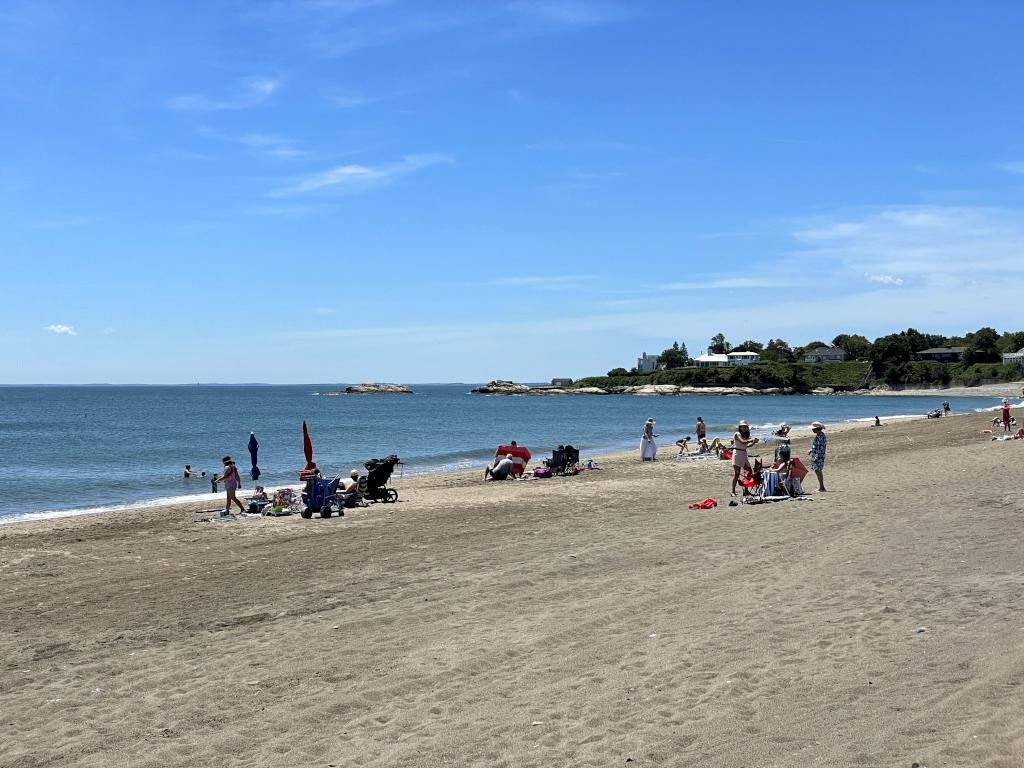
(713, 361)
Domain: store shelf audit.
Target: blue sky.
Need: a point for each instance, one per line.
(349, 190)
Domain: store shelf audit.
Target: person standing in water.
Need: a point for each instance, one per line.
(817, 453)
(648, 448)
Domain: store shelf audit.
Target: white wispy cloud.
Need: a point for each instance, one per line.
(272, 145)
(884, 279)
(720, 283)
(587, 145)
(62, 330)
(571, 13)
(1016, 167)
(537, 282)
(350, 100)
(930, 243)
(334, 28)
(248, 93)
(356, 178)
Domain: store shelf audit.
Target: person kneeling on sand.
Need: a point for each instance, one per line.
(500, 470)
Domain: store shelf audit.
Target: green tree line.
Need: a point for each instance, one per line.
(891, 359)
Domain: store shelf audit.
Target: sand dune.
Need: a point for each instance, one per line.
(584, 621)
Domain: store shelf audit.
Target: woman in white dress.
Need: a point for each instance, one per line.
(741, 442)
(647, 445)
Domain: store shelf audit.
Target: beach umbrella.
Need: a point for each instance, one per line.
(307, 446)
(254, 448)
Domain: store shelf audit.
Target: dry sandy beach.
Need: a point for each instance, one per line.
(588, 621)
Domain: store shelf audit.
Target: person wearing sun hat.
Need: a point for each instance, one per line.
(817, 453)
(648, 448)
(741, 441)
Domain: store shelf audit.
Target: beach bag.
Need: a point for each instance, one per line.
(542, 472)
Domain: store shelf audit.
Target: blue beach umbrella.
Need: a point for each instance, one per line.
(254, 448)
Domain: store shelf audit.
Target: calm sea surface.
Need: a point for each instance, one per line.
(70, 449)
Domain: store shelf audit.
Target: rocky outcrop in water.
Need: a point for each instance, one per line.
(501, 387)
(378, 389)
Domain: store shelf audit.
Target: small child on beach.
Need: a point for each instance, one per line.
(684, 445)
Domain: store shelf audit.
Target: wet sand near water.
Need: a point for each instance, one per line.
(584, 621)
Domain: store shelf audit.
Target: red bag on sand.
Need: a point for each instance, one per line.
(706, 504)
(727, 455)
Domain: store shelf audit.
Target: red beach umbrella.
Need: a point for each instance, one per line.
(307, 446)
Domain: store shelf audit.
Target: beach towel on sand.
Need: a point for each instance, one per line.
(706, 504)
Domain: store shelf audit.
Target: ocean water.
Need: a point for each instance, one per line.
(69, 450)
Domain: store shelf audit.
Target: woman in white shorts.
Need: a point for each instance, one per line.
(741, 442)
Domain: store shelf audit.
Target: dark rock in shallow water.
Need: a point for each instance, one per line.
(377, 389)
(501, 387)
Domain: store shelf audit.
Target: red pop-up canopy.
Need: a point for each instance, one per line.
(520, 456)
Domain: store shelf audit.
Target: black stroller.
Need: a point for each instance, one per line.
(376, 480)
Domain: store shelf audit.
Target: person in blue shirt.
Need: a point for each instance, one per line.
(817, 453)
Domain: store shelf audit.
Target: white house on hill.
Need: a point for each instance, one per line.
(713, 361)
(743, 358)
(1014, 358)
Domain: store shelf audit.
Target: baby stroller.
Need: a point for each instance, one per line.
(376, 480)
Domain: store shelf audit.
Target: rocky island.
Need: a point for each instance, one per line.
(374, 389)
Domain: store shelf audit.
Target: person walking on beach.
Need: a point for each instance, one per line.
(700, 429)
(648, 448)
(817, 453)
(741, 442)
(232, 482)
(1006, 415)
